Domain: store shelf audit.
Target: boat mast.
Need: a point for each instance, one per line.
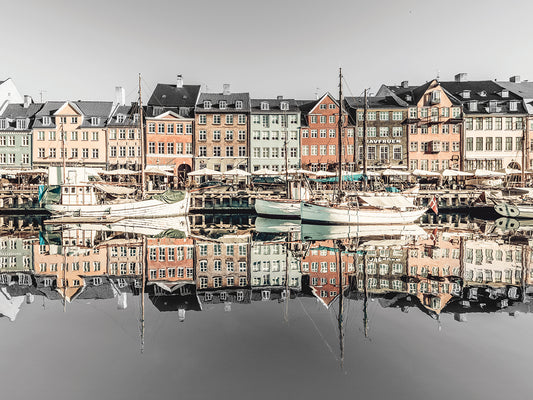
(341, 303)
(524, 148)
(143, 142)
(63, 181)
(364, 138)
(286, 122)
(339, 142)
(144, 265)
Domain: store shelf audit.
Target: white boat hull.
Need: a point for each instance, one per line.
(278, 208)
(327, 215)
(137, 209)
(514, 211)
(320, 232)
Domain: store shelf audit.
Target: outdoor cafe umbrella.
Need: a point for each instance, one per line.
(264, 171)
(421, 172)
(205, 172)
(322, 174)
(453, 172)
(293, 171)
(483, 173)
(394, 172)
(236, 172)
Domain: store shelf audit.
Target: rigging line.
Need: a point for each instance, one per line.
(318, 330)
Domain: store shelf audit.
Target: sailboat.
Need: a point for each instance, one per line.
(76, 193)
(288, 208)
(363, 209)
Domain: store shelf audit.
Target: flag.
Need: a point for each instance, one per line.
(434, 205)
(433, 236)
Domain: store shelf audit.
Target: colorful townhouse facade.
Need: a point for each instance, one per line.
(272, 266)
(274, 131)
(386, 131)
(73, 133)
(124, 141)
(434, 124)
(170, 262)
(170, 126)
(16, 135)
(495, 124)
(319, 135)
(222, 131)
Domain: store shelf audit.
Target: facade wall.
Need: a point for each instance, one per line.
(267, 140)
(269, 262)
(223, 264)
(169, 141)
(434, 140)
(386, 137)
(124, 147)
(319, 138)
(15, 149)
(170, 260)
(494, 141)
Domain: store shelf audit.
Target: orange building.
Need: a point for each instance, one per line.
(319, 132)
(434, 125)
(169, 138)
(321, 265)
(170, 261)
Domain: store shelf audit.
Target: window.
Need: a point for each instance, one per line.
(229, 119)
(202, 151)
(241, 119)
(202, 119)
(229, 151)
(396, 131)
(384, 116)
(238, 105)
(508, 144)
(383, 131)
(216, 119)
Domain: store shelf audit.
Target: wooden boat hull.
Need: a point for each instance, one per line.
(514, 211)
(327, 215)
(278, 208)
(137, 209)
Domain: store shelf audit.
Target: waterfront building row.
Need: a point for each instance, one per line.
(459, 124)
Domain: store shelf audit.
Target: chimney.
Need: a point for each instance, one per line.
(405, 84)
(515, 79)
(120, 95)
(460, 77)
(280, 97)
(225, 89)
(27, 101)
(179, 81)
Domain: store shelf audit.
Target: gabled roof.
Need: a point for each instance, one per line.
(127, 111)
(72, 105)
(327, 94)
(391, 101)
(166, 95)
(166, 114)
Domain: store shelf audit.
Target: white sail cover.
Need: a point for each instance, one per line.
(387, 202)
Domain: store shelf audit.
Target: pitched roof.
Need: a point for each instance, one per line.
(230, 100)
(305, 106)
(14, 111)
(274, 105)
(99, 109)
(128, 111)
(166, 95)
(391, 101)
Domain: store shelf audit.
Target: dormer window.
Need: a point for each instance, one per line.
(483, 94)
(435, 97)
(513, 105)
(21, 123)
(135, 117)
(207, 104)
(408, 98)
(505, 94)
(47, 120)
(493, 105)
(264, 105)
(472, 106)
(238, 105)
(284, 106)
(120, 118)
(94, 121)
(222, 104)
(3, 124)
(465, 94)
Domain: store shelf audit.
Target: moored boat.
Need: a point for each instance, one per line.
(514, 210)
(278, 208)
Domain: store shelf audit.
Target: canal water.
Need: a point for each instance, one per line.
(265, 309)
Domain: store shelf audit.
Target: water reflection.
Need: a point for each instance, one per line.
(433, 271)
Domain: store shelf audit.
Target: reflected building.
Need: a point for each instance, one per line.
(170, 263)
(269, 263)
(320, 265)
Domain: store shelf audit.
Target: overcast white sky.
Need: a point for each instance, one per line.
(83, 49)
